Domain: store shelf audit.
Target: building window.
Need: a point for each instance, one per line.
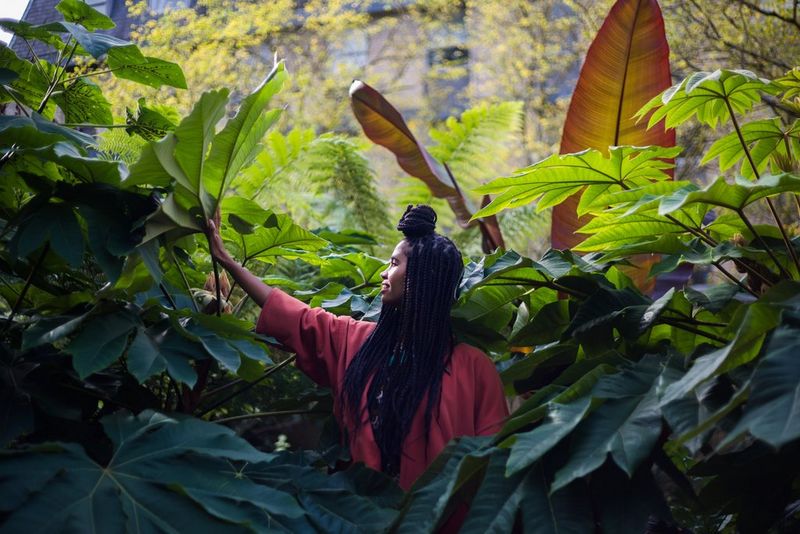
(100, 5)
(447, 80)
(160, 6)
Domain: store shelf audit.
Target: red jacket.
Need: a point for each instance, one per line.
(472, 401)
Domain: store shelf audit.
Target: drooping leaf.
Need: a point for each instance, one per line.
(54, 223)
(37, 132)
(101, 342)
(384, 125)
(95, 44)
(626, 65)
(626, 426)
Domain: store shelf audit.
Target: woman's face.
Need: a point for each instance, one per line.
(394, 277)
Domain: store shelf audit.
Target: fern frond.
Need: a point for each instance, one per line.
(116, 144)
(337, 170)
(473, 145)
(526, 230)
(274, 169)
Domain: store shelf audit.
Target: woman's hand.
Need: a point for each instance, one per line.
(216, 246)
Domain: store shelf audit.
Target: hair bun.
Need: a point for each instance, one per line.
(417, 221)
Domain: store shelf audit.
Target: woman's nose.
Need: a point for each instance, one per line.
(385, 274)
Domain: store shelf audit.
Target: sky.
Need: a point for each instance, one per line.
(11, 9)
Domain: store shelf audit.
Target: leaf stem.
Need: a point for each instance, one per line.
(763, 243)
(789, 248)
(732, 278)
(267, 373)
(267, 414)
(27, 285)
(183, 277)
(693, 330)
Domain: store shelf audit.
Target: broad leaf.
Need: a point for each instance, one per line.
(626, 426)
(626, 65)
(165, 475)
(83, 103)
(129, 63)
(237, 144)
(83, 14)
(771, 412)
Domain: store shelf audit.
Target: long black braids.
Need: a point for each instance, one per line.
(407, 353)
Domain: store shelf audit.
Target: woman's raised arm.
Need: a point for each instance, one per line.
(250, 283)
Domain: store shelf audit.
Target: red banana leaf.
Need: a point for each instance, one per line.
(384, 125)
(627, 65)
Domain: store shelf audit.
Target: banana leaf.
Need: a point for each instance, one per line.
(384, 125)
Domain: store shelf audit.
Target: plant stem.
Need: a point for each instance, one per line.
(763, 243)
(732, 278)
(693, 330)
(106, 126)
(267, 414)
(167, 296)
(183, 277)
(773, 211)
(27, 285)
(93, 73)
(267, 374)
(56, 79)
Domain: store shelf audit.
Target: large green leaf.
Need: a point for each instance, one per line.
(771, 412)
(626, 426)
(706, 95)
(95, 44)
(85, 15)
(530, 446)
(558, 177)
(53, 223)
(129, 63)
(165, 475)
(34, 131)
(101, 342)
(274, 235)
(83, 103)
(237, 144)
(501, 499)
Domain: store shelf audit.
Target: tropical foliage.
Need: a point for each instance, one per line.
(123, 380)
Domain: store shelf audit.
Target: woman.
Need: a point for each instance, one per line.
(403, 388)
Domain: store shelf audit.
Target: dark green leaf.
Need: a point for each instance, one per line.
(85, 15)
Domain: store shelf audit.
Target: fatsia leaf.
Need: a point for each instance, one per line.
(53, 223)
(165, 475)
(101, 342)
(626, 65)
(558, 177)
(384, 125)
(734, 196)
(764, 139)
(128, 62)
(237, 144)
(707, 96)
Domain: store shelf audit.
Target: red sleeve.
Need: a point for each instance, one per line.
(318, 337)
(491, 408)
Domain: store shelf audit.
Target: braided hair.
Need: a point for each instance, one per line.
(406, 355)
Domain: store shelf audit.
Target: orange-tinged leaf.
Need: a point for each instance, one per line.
(626, 66)
(384, 125)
